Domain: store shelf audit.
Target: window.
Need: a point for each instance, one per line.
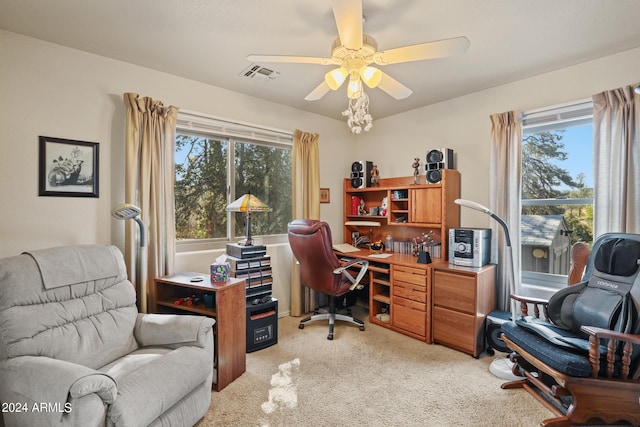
(215, 163)
(557, 191)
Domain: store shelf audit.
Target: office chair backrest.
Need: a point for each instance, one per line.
(312, 246)
(579, 257)
(609, 294)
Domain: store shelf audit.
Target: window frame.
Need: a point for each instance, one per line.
(577, 113)
(232, 132)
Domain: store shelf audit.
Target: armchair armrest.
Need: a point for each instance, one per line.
(172, 329)
(36, 379)
(614, 339)
(536, 302)
(364, 266)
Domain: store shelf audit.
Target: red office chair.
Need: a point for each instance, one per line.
(321, 270)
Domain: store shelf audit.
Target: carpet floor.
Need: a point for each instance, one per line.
(373, 378)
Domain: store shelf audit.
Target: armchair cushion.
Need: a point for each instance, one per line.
(155, 386)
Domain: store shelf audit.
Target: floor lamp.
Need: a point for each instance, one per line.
(129, 211)
(501, 367)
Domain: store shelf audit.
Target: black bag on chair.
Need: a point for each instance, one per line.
(609, 298)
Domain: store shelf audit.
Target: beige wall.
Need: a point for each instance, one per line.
(463, 125)
(51, 90)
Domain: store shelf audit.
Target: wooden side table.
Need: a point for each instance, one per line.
(229, 311)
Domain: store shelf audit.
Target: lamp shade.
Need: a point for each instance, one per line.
(371, 76)
(354, 88)
(336, 77)
(248, 203)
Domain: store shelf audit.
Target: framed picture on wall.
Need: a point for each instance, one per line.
(68, 168)
(325, 195)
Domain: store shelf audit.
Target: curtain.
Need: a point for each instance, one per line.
(149, 179)
(505, 195)
(616, 149)
(306, 205)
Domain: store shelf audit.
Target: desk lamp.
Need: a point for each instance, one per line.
(248, 203)
(129, 211)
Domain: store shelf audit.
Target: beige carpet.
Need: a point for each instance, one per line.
(371, 378)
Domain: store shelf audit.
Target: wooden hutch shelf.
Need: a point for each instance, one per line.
(412, 209)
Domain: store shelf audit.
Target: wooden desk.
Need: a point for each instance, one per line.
(437, 302)
(401, 286)
(229, 312)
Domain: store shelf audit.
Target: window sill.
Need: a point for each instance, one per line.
(196, 245)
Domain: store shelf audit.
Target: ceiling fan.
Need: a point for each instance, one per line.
(354, 52)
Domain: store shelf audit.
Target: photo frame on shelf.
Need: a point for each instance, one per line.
(67, 168)
(325, 195)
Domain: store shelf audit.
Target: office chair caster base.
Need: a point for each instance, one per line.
(330, 337)
(301, 326)
(362, 328)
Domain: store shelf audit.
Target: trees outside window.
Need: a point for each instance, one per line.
(213, 170)
(557, 190)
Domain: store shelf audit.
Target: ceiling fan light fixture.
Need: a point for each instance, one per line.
(336, 77)
(354, 89)
(371, 76)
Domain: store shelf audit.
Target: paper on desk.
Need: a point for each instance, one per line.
(345, 247)
(380, 255)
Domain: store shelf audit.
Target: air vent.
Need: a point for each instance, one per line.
(259, 73)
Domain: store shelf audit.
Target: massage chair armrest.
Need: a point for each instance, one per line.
(536, 302)
(172, 330)
(364, 265)
(614, 340)
(40, 379)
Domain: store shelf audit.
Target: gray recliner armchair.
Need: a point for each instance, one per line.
(74, 351)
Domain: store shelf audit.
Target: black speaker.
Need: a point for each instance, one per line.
(361, 174)
(494, 322)
(436, 161)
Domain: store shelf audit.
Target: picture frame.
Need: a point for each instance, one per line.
(325, 195)
(68, 168)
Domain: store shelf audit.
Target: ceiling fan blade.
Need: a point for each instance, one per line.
(393, 87)
(422, 51)
(320, 91)
(348, 16)
(296, 59)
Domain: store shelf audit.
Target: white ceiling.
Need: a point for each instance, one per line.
(209, 40)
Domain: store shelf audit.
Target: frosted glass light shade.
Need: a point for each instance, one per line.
(335, 78)
(354, 90)
(371, 76)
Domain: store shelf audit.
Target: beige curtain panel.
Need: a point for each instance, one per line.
(149, 180)
(306, 205)
(505, 194)
(616, 129)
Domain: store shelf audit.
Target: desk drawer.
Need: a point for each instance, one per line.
(454, 329)
(454, 291)
(409, 315)
(415, 276)
(410, 291)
